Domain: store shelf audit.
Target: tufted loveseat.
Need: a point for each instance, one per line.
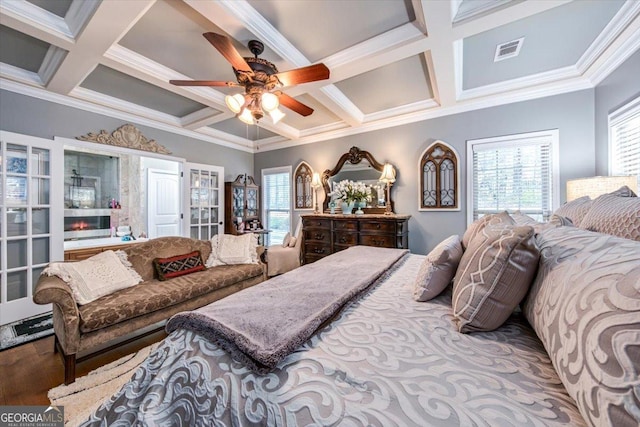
(79, 328)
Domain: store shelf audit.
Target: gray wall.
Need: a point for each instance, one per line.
(572, 114)
(35, 117)
(620, 87)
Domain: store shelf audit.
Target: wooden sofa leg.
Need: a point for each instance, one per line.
(69, 368)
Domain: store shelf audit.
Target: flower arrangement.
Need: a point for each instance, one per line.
(350, 191)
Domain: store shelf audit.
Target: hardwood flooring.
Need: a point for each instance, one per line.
(29, 371)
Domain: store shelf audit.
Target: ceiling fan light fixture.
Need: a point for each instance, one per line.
(235, 102)
(246, 116)
(276, 115)
(269, 102)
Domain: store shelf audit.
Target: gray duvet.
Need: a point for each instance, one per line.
(386, 360)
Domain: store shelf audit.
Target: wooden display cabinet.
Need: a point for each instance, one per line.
(242, 205)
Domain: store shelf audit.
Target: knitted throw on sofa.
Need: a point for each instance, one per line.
(259, 326)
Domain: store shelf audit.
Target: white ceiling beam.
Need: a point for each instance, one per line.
(501, 17)
(36, 22)
(203, 117)
(111, 21)
(437, 16)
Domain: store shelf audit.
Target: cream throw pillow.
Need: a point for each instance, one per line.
(438, 269)
(227, 249)
(494, 275)
(287, 240)
(94, 277)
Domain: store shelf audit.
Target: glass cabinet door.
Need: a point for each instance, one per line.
(205, 201)
(28, 241)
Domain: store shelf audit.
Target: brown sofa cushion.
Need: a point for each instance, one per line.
(154, 295)
(179, 265)
(141, 255)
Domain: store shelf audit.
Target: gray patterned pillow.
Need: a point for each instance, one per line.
(494, 275)
(618, 216)
(585, 307)
(477, 225)
(437, 269)
(624, 191)
(522, 219)
(576, 209)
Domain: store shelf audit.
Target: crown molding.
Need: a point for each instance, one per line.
(621, 50)
(52, 60)
(30, 19)
(79, 14)
(20, 75)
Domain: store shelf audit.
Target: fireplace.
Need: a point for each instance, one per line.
(86, 223)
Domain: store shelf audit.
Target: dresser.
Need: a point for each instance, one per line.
(324, 234)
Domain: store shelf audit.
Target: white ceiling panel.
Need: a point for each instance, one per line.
(391, 62)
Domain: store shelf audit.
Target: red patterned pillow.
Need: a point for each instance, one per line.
(179, 265)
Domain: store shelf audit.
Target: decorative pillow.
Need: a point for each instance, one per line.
(477, 226)
(522, 219)
(94, 277)
(618, 216)
(576, 209)
(286, 240)
(494, 275)
(438, 269)
(292, 242)
(624, 191)
(585, 307)
(178, 265)
(227, 249)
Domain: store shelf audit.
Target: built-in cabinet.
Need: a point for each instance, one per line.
(325, 234)
(242, 205)
(84, 253)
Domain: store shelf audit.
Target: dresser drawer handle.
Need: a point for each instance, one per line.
(378, 226)
(318, 236)
(343, 239)
(318, 250)
(377, 242)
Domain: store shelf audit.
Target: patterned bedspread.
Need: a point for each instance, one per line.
(385, 361)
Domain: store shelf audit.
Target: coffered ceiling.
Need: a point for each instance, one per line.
(392, 62)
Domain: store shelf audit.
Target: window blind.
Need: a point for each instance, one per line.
(624, 144)
(513, 174)
(277, 205)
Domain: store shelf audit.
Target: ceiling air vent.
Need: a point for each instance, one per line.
(508, 49)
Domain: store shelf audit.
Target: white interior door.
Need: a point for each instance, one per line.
(31, 224)
(205, 204)
(163, 200)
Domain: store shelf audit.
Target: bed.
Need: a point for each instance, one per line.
(383, 360)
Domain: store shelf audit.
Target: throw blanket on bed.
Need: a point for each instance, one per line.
(261, 325)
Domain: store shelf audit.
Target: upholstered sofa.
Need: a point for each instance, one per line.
(82, 327)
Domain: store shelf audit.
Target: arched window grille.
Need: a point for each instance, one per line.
(303, 193)
(439, 177)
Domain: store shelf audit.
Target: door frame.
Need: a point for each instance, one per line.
(177, 174)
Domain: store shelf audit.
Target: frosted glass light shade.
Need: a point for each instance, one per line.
(246, 117)
(269, 102)
(315, 181)
(234, 102)
(598, 185)
(276, 115)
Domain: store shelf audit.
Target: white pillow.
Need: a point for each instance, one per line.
(292, 242)
(287, 240)
(227, 249)
(94, 277)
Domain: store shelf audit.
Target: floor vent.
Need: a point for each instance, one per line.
(508, 50)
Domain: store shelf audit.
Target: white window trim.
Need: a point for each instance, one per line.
(271, 171)
(498, 141)
(614, 118)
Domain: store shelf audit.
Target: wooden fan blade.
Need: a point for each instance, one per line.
(311, 73)
(201, 83)
(294, 105)
(225, 47)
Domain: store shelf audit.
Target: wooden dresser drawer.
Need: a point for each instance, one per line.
(345, 238)
(317, 249)
(378, 226)
(314, 236)
(381, 241)
(317, 223)
(345, 225)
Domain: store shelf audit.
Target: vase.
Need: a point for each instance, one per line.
(360, 205)
(347, 208)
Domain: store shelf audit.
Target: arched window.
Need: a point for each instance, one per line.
(439, 176)
(303, 193)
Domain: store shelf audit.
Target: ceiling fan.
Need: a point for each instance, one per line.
(261, 81)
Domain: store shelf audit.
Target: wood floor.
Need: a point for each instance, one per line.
(29, 371)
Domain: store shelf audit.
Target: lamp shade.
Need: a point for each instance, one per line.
(246, 116)
(276, 115)
(598, 185)
(269, 101)
(234, 102)
(315, 181)
(388, 174)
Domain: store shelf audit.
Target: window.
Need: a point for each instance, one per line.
(439, 178)
(276, 187)
(515, 172)
(624, 140)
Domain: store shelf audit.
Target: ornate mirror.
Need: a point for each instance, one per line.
(357, 165)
